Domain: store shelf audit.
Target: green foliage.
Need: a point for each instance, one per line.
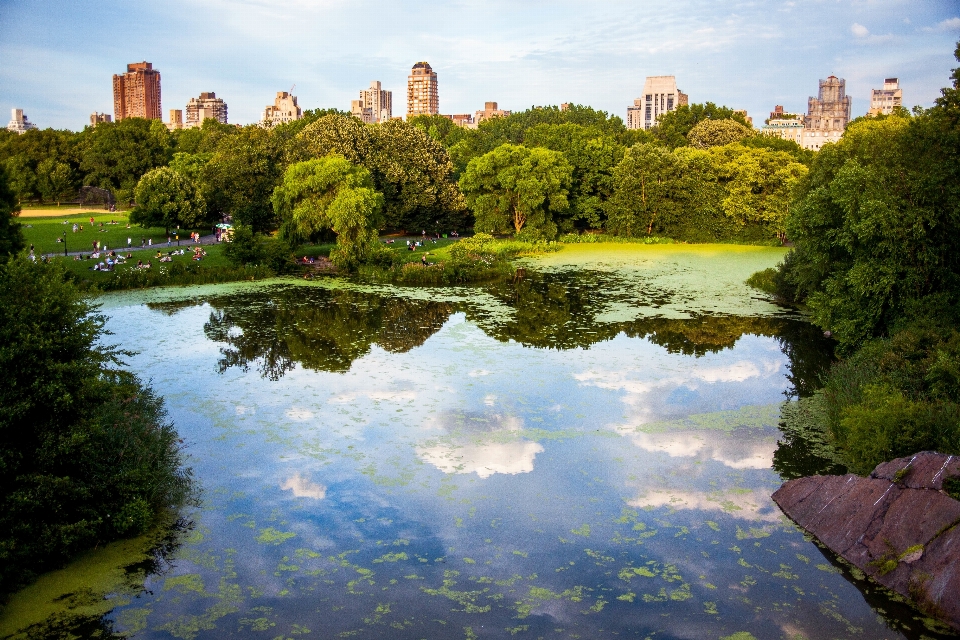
(330, 193)
(674, 126)
(11, 235)
(240, 177)
(248, 248)
(166, 198)
(54, 179)
(86, 452)
(23, 154)
(759, 184)
(115, 155)
(513, 186)
(593, 154)
(410, 168)
(764, 280)
(717, 133)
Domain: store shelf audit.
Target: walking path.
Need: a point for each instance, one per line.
(185, 243)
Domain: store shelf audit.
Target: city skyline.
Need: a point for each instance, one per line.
(56, 61)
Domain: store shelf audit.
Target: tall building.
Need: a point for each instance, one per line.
(19, 123)
(374, 105)
(96, 118)
(283, 109)
(208, 105)
(422, 96)
(782, 124)
(827, 114)
(176, 120)
(660, 95)
(136, 93)
(490, 110)
(887, 99)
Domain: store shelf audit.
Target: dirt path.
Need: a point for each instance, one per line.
(64, 211)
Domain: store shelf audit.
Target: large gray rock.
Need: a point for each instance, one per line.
(898, 526)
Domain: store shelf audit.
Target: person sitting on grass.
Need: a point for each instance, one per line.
(166, 259)
(159, 255)
(139, 264)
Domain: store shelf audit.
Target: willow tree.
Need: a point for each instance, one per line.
(330, 193)
(513, 186)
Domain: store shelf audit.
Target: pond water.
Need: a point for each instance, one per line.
(588, 451)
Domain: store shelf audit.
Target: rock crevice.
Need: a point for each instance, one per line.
(899, 526)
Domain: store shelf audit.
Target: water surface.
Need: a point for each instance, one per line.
(585, 452)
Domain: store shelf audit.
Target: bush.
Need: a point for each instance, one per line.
(896, 396)
(87, 454)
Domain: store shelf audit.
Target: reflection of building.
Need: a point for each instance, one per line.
(208, 105)
(176, 120)
(96, 118)
(422, 96)
(19, 123)
(489, 111)
(660, 95)
(136, 93)
(283, 109)
(375, 104)
(887, 99)
(827, 114)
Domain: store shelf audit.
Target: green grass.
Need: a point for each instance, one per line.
(44, 232)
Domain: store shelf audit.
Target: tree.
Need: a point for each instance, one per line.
(11, 236)
(717, 133)
(645, 182)
(330, 193)
(22, 180)
(513, 186)
(240, 177)
(115, 155)
(166, 199)
(593, 154)
(54, 178)
(672, 127)
(87, 454)
(759, 185)
(412, 170)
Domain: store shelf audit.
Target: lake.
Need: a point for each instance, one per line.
(587, 451)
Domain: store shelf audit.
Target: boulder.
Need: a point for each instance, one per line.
(898, 526)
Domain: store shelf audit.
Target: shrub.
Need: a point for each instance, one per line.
(87, 454)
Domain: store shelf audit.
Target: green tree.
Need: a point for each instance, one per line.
(87, 454)
(646, 182)
(115, 155)
(593, 154)
(717, 133)
(167, 199)
(55, 179)
(11, 236)
(240, 177)
(513, 186)
(22, 179)
(412, 170)
(759, 185)
(674, 126)
(330, 193)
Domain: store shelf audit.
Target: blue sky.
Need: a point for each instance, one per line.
(57, 58)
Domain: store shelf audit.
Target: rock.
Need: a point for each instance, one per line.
(898, 526)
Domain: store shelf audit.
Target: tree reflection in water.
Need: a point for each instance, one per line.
(327, 329)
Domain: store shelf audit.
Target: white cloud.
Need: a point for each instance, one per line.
(949, 25)
(303, 488)
(298, 414)
(485, 459)
(859, 30)
(752, 505)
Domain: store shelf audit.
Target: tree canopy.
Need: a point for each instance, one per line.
(330, 193)
(166, 198)
(519, 188)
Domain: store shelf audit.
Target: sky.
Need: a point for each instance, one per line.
(57, 58)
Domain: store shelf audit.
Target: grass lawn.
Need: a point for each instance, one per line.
(83, 269)
(438, 252)
(44, 232)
